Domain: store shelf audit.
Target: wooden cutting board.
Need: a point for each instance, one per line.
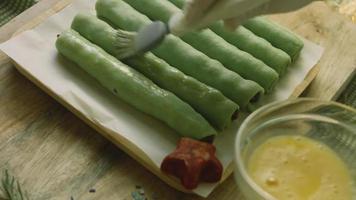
(57, 156)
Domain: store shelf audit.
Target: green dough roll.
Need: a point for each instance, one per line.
(133, 87)
(182, 56)
(277, 35)
(256, 46)
(209, 102)
(213, 45)
(247, 41)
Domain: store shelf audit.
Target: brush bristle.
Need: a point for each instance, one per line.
(125, 44)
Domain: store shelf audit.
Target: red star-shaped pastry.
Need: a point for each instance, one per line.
(193, 161)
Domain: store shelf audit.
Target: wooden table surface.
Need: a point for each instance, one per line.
(57, 156)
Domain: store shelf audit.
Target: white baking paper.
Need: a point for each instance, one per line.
(35, 51)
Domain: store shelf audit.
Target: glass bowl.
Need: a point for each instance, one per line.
(330, 123)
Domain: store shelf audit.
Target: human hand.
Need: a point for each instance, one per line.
(199, 14)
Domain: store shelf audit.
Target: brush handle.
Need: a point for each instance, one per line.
(132, 87)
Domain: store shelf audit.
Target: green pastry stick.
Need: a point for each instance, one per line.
(133, 87)
(247, 41)
(213, 45)
(209, 102)
(256, 46)
(277, 35)
(182, 56)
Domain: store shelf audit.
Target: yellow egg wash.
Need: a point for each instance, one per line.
(298, 168)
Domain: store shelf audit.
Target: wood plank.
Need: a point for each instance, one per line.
(337, 34)
(30, 14)
(58, 156)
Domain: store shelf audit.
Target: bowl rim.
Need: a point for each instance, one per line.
(277, 104)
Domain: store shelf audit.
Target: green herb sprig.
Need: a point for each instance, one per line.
(11, 188)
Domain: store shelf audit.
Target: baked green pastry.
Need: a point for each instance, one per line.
(260, 48)
(247, 41)
(209, 102)
(277, 35)
(182, 56)
(213, 45)
(132, 87)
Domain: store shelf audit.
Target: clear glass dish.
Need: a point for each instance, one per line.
(330, 123)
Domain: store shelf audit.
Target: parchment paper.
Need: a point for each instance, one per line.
(35, 51)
